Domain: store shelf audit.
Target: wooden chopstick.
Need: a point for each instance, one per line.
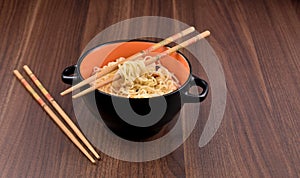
(53, 116)
(150, 61)
(133, 57)
(60, 111)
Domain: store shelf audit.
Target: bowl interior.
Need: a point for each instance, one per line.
(100, 56)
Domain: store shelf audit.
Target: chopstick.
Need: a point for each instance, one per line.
(150, 61)
(60, 111)
(133, 57)
(53, 116)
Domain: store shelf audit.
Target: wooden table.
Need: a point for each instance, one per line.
(257, 43)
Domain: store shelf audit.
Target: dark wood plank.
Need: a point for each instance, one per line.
(40, 34)
(255, 124)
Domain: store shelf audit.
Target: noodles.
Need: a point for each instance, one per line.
(140, 81)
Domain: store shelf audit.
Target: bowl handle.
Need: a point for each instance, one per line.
(191, 98)
(68, 75)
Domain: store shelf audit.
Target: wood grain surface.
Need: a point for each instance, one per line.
(256, 41)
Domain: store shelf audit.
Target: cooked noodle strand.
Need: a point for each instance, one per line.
(138, 80)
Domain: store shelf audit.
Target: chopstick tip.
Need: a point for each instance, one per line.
(16, 72)
(98, 157)
(208, 32)
(204, 34)
(27, 69)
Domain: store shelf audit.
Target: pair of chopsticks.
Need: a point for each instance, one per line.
(54, 117)
(135, 56)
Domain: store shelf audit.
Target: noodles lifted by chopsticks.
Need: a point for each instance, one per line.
(140, 81)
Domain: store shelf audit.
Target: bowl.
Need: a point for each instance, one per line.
(136, 119)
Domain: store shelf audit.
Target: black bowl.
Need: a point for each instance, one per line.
(136, 119)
